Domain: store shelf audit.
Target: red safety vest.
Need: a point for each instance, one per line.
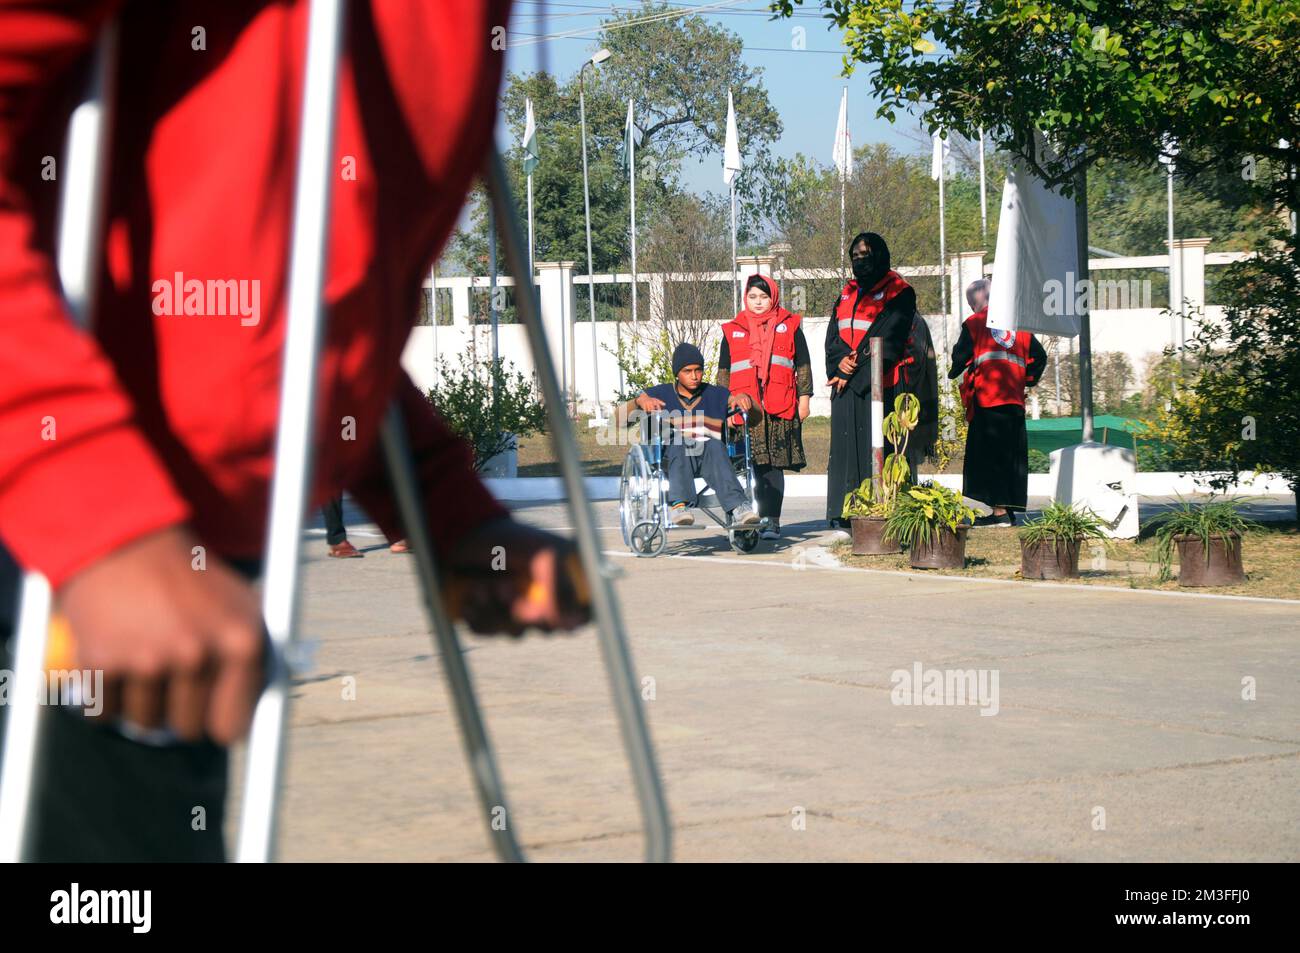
(854, 326)
(997, 374)
(780, 396)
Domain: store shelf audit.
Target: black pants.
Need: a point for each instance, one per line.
(99, 796)
(335, 531)
(770, 490)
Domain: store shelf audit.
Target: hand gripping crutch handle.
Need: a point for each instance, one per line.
(613, 641)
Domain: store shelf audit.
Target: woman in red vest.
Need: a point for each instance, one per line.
(998, 365)
(877, 303)
(765, 356)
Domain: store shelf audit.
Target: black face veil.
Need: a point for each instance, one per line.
(870, 270)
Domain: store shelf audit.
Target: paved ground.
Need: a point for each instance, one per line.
(1115, 708)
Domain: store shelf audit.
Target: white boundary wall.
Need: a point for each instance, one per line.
(1136, 331)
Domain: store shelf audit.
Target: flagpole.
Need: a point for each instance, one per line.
(843, 163)
(735, 277)
(433, 318)
(984, 206)
(597, 417)
(530, 225)
(943, 256)
(631, 182)
(731, 165)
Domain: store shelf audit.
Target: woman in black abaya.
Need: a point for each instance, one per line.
(877, 303)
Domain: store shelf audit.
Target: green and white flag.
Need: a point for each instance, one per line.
(631, 137)
(531, 155)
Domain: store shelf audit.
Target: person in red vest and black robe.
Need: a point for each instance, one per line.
(877, 303)
(998, 366)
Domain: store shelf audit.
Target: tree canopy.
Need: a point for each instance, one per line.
(1116, 79)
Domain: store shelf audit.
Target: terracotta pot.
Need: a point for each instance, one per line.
(948, 551)
(1220, 565)
(869, 537)
(1049, 559)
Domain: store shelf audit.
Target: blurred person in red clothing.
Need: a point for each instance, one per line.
(123, 450)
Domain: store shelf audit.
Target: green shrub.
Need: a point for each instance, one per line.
(1039, 462)
(464, 398)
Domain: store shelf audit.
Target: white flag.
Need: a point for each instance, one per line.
(731, 153)
(1035, 285)
(938, 158)
(531, 155)
(843, 154)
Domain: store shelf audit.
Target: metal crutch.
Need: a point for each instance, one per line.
(293, 447)
(80, 225)
(613, 641)
(81, 216)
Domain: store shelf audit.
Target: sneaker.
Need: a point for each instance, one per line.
(743, 516)
(682, 516)
(773, 530)
(1002, 520)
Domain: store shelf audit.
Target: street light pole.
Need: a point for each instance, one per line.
(600, 57)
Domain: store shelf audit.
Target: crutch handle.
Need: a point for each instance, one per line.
(573, 576)
(60, 647)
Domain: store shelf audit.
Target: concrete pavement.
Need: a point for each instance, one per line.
(1120, 733)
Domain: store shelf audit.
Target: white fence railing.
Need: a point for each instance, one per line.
(1124, 318)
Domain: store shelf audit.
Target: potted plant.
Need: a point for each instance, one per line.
(1208, 539)
(932, 521)
(1049, 545)
(866, 507)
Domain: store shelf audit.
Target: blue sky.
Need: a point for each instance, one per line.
(804, 86)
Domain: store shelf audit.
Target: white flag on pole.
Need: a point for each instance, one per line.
(1035, 286)
(731, 153)
(939, 157)
(843, 154)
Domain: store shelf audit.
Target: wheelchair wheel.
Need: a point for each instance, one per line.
(648, 538)
(743, 540)
(636, 501)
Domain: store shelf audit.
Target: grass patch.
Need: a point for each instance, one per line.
(1271, 559)
(603, 456)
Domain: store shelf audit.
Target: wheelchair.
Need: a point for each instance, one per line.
(643, 489)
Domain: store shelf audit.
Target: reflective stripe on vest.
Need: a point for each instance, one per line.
(857, 324)
(998, 356)
(742, 365)
(780, 361)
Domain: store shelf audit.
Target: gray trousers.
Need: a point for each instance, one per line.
(707, 459)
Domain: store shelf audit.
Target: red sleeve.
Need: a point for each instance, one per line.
(77, 478)
(455, 499)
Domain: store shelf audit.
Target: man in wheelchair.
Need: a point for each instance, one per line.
(695, 411)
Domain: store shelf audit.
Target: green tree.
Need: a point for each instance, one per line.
(1100, 78)
(1238, 407)
(677, 71)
